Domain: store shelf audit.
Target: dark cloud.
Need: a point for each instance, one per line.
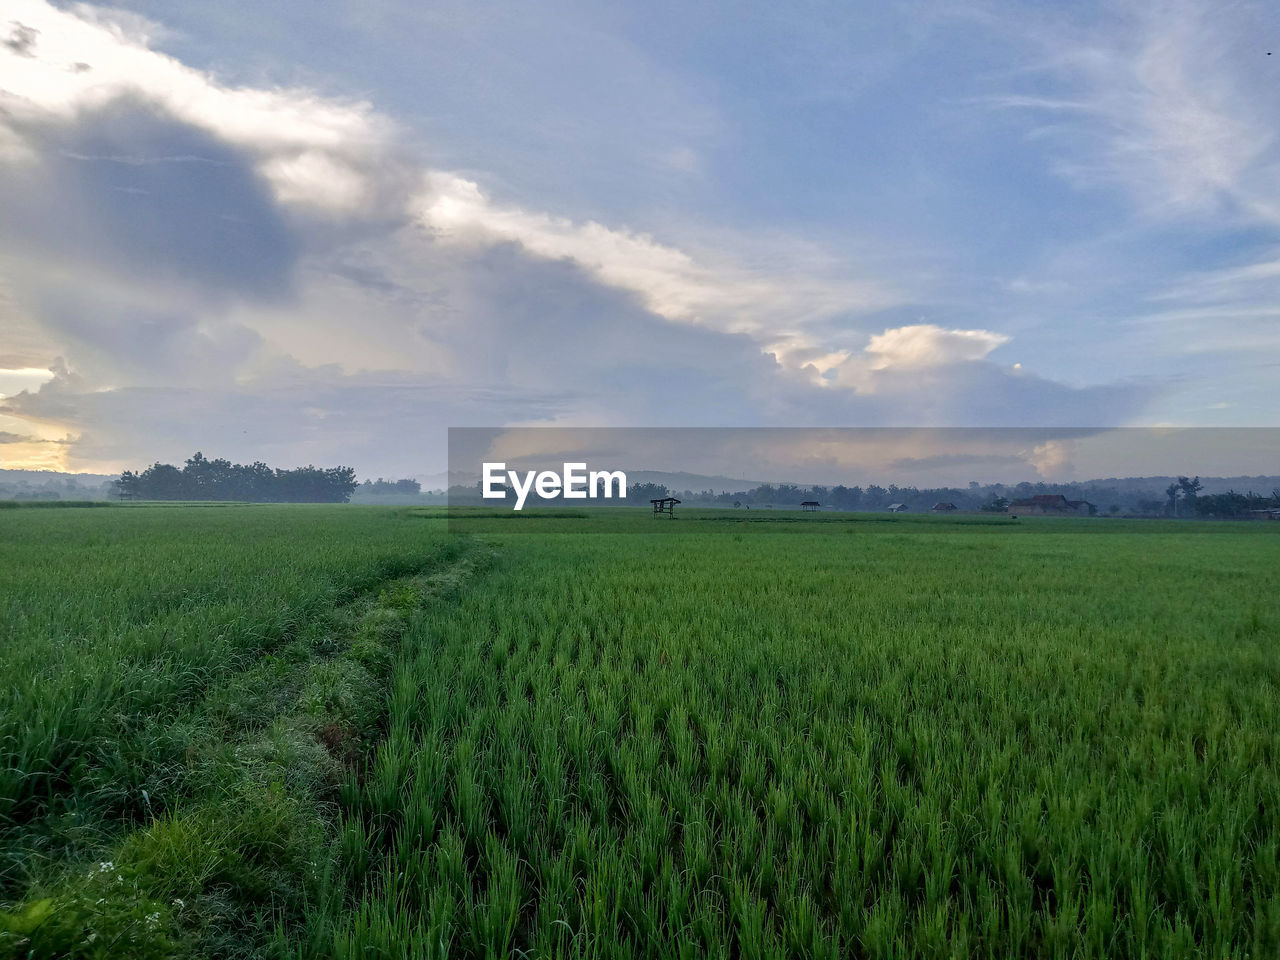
(529, 340)
(22, 39)
(530, 321)
(180, 242)
(388, 422)
(969, 393)
(150, 199)
(114, 342)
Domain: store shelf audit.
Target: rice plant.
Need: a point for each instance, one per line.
(316, 732)
(989, 743)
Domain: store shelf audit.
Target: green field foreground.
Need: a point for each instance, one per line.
(365, 736)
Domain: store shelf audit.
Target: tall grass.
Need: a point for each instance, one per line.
(892, 744)
(116, 623)
(788, 738)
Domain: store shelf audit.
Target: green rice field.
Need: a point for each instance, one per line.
(337, 731)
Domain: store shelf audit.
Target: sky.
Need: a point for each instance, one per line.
(325, 234)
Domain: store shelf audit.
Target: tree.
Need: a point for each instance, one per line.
(126, 488)
(640, 494)
(1189, 490)
(1171, 492)
(401, 487)
(204, 479)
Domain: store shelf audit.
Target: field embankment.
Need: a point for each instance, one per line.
(186, 690)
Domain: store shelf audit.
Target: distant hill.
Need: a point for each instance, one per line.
(52, 485)
(692, 481)
(672, 480)
(40, 476)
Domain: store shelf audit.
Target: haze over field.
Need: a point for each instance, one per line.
(323, 239)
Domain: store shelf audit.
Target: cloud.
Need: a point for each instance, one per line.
(17, 379)
(320, 156)
(913, 349)
(132, 192)
(928, 345)
(21, 39)
(668, 281)
(1052, 459)
(510, 339)
(1168, 102)
(293, 135)
(267, 272)
(288, 416)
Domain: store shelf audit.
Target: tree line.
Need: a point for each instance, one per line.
(1182, 498)
(1218, 506)
(204, 479)
(380, 486)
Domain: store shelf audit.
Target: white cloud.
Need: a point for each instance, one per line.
(330, 157)
(15, 380)
(1257, 283)
(314, 177)
(928, 345)
(915, 348)
(668, 281)
(1051, 459)
(362, 332)
(79, 62)
(1168, 101)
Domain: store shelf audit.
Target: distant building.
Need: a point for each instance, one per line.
(897, 508)
(1051, 505)
(944, 507)
(810, 505)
